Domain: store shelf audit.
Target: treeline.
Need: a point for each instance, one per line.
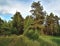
(37, 23)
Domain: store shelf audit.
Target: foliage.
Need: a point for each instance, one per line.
(37, 22)
(18, 22)
(25, 41)
(31, 28)
(27, 22)
(34, 35)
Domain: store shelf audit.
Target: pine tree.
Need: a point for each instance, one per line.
(18, 22)
(38, 15)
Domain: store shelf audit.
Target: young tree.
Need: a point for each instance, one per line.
(18, 22)
(1, 23)
(29, 29)
(6, 28)
(27, 22)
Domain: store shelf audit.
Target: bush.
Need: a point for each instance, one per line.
(32, 34)
(14, 31)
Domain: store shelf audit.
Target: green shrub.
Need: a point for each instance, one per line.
(32, 34)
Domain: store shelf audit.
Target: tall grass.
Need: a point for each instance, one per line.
(25, 41)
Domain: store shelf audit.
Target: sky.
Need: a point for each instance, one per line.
(9, 7)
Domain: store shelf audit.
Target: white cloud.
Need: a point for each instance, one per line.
(12, 7)
(52, 6)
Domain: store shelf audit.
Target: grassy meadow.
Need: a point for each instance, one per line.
(24, 41)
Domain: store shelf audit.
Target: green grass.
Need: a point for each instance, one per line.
(24, 41)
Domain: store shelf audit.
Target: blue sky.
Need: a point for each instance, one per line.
(9, 7)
